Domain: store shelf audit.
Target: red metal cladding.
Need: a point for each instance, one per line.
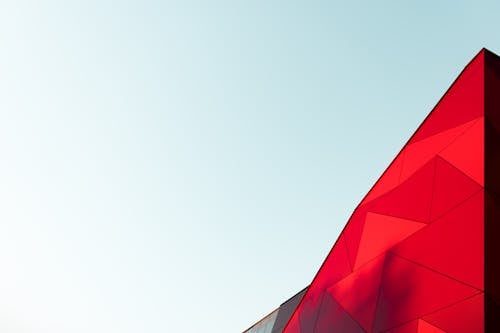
(421, 253)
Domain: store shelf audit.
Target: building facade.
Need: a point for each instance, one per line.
(421, 251)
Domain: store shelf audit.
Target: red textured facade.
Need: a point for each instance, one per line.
(421, 252)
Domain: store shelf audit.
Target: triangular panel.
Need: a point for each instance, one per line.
(425, 327)
(451, 187)
(380, 233)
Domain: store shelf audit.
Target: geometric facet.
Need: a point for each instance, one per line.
(381, 232)
(425, 327)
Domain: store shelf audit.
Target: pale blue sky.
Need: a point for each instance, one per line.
(185, 166)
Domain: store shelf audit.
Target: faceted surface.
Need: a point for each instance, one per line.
(421, 252)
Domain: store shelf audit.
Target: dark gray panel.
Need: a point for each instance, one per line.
(286, 310)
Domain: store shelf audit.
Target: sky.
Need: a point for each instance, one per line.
(185, 166)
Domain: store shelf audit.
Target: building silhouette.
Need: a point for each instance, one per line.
(421, 251)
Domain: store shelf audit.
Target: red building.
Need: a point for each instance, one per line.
(421, 252)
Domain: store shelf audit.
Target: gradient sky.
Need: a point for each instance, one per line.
(185, 166)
